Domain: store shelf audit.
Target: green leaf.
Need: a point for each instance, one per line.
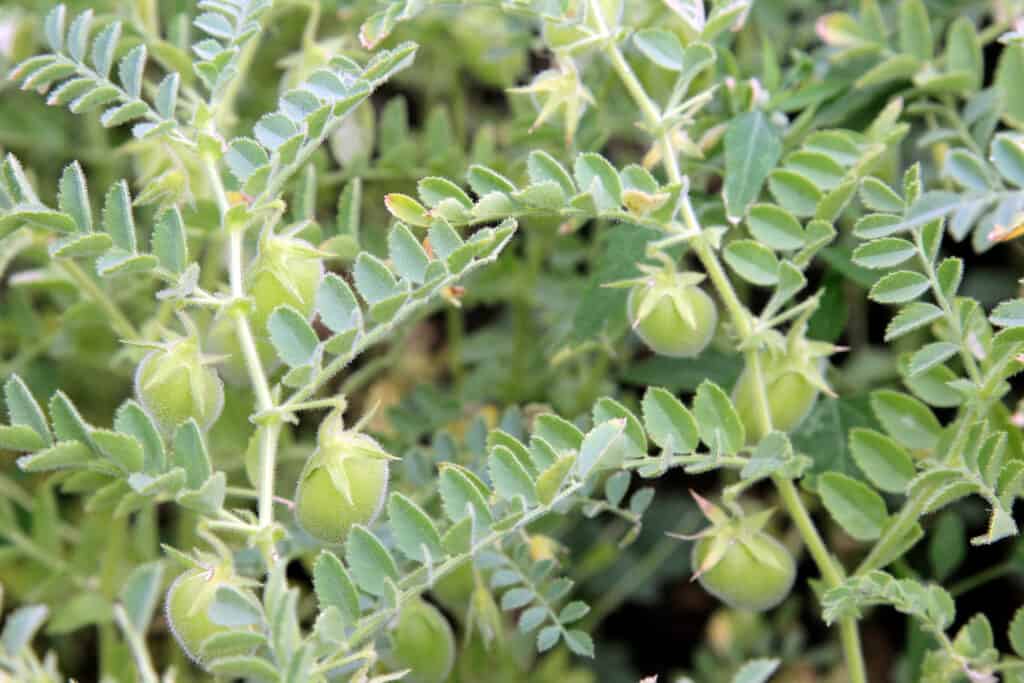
(462, 493)
(595, 175)
(20, 438)
(579, 642)
(234, 608)
(61, 455)
(334, 587)
(54, 30)
(22, 408)
(883, 253)
(485, 181)
(967, 170)
(754, 263)
(669, 423)
(886, 464)
(899, 287)
(752, 148)
(717, 421)
(434, 190)
(931, 355)
(858, 509)
(1016, 632)
(140, 594)
(68, 424)
(510, 477)
(878, 196)
(374, 280)
(963, 51)
(414, 532)
(915, 30)
(947, 545)
(191, 455)
(911, 317)
(117, 217)
(602, 447)
(73, 196)
(243, 666)
(130, 70)
(293, 338)
(372, 566)
(756, 671)
(21, 624)
(337, 305)
(949, 274)
(661, 47)
(244, 157)
(906, 419)
(1007, 154)
(169, 243)
(548, 637)
(795, 191)
(407, 255)
(1008, 314)
(407, 209)
(775, 227)
(131, 419)
(542, 167)
(167, 95)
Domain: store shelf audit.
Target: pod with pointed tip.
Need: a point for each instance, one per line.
(672, 316)
(423, 642)
(188, 600)
(343, 483)
(285, 272)
(755, 573)
(789, 392)
(174, 384)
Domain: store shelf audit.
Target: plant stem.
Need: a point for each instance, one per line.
(271, 428)
(118, 320)
(830, 569)
(137, 646)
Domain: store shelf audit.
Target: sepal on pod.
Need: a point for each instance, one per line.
(670, 313)
(285, 272)
(188, 601)
(174, 382)
(735, 560)
(343, 483)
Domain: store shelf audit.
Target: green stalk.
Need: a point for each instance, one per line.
(271, 428)
(831, 570)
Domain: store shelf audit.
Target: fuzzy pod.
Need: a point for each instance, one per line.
(186, 606)
(344, 483)
(174, 385)
(790, 393)
(654, 312)
(424, 643)
(285, 272)
(755, 573)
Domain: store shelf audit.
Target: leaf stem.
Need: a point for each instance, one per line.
(124, 327)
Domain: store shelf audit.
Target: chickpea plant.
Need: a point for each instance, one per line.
(242, 452)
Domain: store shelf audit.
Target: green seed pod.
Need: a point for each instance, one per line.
(739, 563)
(186, 606)
(793, 377)
(672, 315)
(174, 384)
(343, 483)
(423, 642)
(755, 573)
(285, 272)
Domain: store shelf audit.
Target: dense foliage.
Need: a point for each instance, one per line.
(346, 340)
